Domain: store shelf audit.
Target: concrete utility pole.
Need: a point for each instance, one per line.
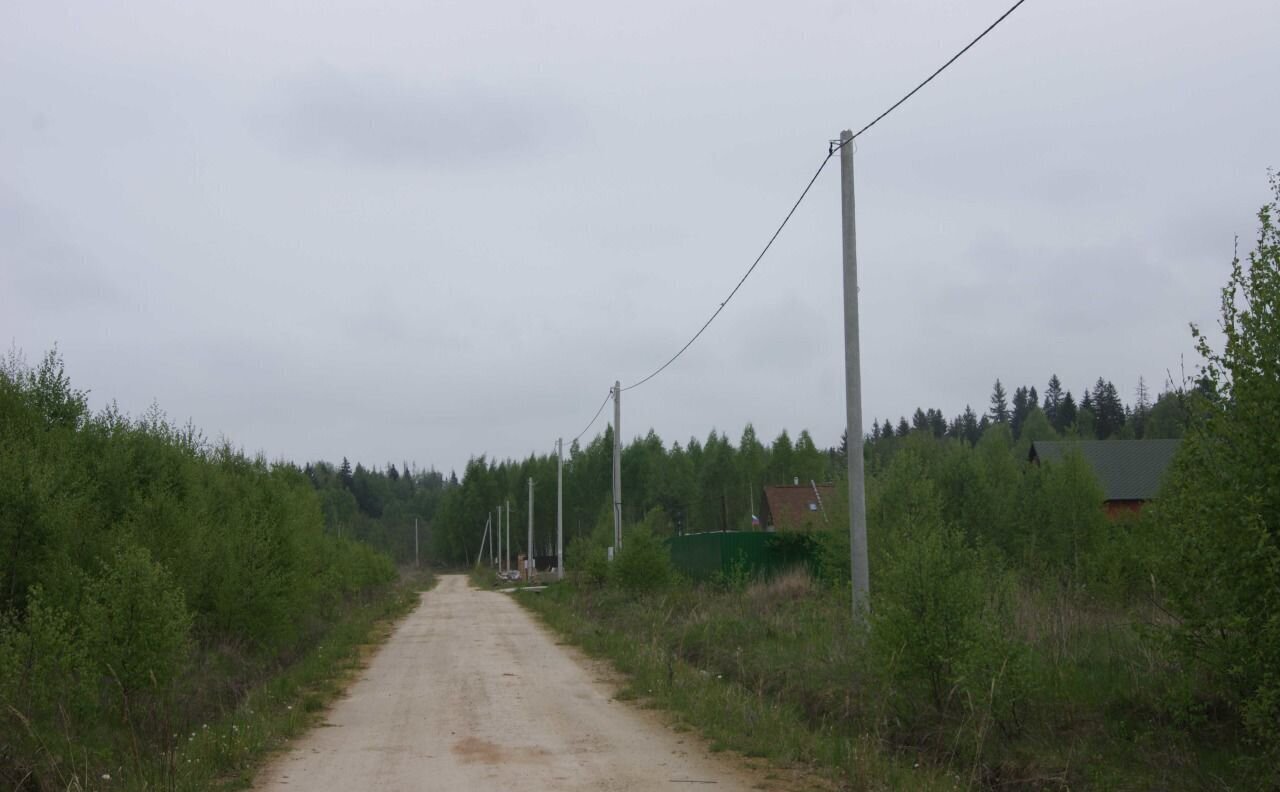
(483, 538)
(617, 466)
(560, 509)
(501, 560)
(508, 534)
(853, 385)
(528, 553)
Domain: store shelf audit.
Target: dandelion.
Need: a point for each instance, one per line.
(106, 776)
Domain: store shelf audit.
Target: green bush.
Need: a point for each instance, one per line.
(941, 610)
(644, 563)
(45, 665)
(135, 621)
(587, 556)
(1219, 510)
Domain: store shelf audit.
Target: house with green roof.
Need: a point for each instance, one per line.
(1128, 470)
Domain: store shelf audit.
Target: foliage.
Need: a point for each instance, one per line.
(940, 617)
(136, 554)
(1220, 507)
(135, 621)
(644, 563)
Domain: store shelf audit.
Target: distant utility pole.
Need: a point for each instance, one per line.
(508, 534)
(483, 538)
(617, 466)
(416, 565)
(560, 508)
(853, 385)
(528, 559)
(501, 560)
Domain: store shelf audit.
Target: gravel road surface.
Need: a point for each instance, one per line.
(471, 693)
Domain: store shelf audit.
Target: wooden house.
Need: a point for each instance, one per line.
(1128, 470)
(796, 507)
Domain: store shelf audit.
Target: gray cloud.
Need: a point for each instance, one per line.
(49, 272)
(392, 122)
(456, 232)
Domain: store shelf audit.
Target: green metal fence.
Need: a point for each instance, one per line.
(703, 556)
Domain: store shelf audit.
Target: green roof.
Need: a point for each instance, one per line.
(1126, 469)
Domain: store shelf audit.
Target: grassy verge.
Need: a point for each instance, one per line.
(224, 754)
(779, 671)
(682, 652)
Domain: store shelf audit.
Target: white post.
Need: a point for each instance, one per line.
(560, 509)
(528, 553)
(853, 385)
(484, 538)
(508, 534)
(501, 559)
(617, 466)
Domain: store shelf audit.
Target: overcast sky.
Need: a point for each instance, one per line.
(427, 230)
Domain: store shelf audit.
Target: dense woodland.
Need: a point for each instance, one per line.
(698, 485)
(716, 484)
(148, 579)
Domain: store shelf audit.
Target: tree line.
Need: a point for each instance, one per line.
(1100, 415)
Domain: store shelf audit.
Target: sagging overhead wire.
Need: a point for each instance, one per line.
(831, 150)
(591, 423)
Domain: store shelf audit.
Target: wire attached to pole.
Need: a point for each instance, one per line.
(832, 148)
(590, 423)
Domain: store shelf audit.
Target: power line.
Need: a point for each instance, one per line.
(744, 277)
(929, 79)
(594, 417)
(831, 150)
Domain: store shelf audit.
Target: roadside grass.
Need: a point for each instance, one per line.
(778, 670)
(226, 752)
(482, 577)
(685, 651)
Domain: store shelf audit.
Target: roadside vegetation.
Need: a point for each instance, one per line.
(1017, 637)
(164, 601)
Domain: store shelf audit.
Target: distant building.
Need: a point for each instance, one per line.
(798, 507)
(1128, 470)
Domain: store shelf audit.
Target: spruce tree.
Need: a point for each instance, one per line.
(969, 422)
(1066, 414)
(937, 423)
(1108, 410)
(1020, 408)
(999, 404)
(1053, 402)
(919, 420)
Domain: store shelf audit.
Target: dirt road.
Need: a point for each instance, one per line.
(470, 693)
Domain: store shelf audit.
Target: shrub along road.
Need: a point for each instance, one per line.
(471, 693)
